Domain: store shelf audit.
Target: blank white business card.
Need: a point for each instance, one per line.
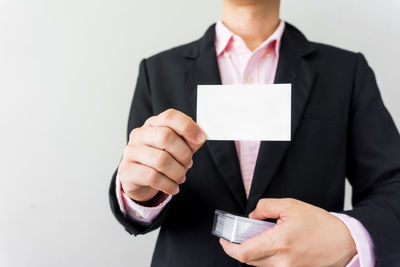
(245, 112)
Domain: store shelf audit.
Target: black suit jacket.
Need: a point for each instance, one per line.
(340, 128)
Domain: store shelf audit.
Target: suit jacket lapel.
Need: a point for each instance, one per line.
(292, 68)
(204, 70)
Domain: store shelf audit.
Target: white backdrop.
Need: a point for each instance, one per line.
(67, 73)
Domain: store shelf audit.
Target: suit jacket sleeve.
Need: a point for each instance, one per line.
(373, 166)
(141, 110)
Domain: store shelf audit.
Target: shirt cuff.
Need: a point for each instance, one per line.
(365, 256)
(135, 211)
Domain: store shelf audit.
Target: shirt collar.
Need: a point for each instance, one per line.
(223, 37)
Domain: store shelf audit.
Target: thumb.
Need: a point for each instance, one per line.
(271, 208)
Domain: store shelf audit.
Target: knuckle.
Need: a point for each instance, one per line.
(262, 204)
(161, 159)
(187, 156)
(130, 153)
(165, 136)
(128, 186)
(170, 189)
(127, 151)
(291, 202)
(126, 172)
(187, 126)
(182, 179)
(133, 133)
(122, 168)
(282, 244)
(149, 119)
(152, 176)
(168, 114)
(275, 242)
(243, 257)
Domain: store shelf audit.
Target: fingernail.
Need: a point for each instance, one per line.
(200, 137)
(190, 164)
(251, 214)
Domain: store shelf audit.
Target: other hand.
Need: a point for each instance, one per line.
(305, 235)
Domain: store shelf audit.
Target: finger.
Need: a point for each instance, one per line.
(260, 246)
(159, 160)
(272, 208)
(163, 138)
(231, 249)
(142, 175)
(252, 249)
(270, 261)
(181, 124)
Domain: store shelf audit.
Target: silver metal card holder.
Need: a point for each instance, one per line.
(237, 229)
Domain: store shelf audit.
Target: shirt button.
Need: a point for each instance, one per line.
(268, 55)
(226, 54)
(249, 79)
(138, 215)
(248, 188)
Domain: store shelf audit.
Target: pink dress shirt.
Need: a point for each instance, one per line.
(238, 65)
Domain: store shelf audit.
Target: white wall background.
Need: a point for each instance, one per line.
(67, 73)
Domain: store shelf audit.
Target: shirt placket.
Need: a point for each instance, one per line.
(250, 75)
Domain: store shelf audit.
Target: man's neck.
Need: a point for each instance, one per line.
(254, 21)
